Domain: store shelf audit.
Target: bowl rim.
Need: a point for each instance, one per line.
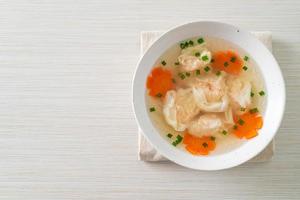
(235, 157)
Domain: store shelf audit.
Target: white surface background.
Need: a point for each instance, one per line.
(67, 130)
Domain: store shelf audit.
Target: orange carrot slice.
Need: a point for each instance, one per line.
(159, 82)
(198, 145)
(247, 125)
(227, 61)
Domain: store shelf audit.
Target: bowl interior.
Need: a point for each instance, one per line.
(274, 85)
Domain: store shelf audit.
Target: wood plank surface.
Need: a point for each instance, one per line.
(67, 129)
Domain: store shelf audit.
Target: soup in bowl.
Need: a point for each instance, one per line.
(204, 98)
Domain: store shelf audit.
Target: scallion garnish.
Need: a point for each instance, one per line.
(186, 44)
(181, 75)
(177, 141)
(226, 64)
(176, 63)
(235, 127)
(182, 45)
(261, 93)
(179, 138)
(204, 144)
(163, 63)
(241, 122)
(243, 109)
(158, 95)
(224, 132)
(233, 59)
(174, 143)
(253, 110)
(187, 74)
(152, 109)
(218, 73)
(198, 72)
(169, 135)
(252, 94)
(212, 138)
(200, 40)
(246, 58)
(204, 58)
(206, 68)
(197, 54)
(245, 68)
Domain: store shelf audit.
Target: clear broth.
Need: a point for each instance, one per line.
(225, 143)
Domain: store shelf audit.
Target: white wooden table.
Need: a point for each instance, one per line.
(67, 129)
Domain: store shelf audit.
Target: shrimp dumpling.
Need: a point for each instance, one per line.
(179, 108)
(210, 93)
(218, 106)
(193, 58)
(206, 124)
(240, 92)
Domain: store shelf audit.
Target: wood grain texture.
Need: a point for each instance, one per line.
(67, 129)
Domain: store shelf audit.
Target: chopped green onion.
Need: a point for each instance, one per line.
(204, 58)
(152, 109)
(198, 72)
(169, 135)
(243, 109)
(200, 40)
(197, 54)
(235, 127)
(158, 95)
(186, 44)
(241, 122)
(176, 63)
(261, 93)
(252, 94)
(206, 68)
(182, 45)
(224, 132)
(163, 63)
(204, 144)
(253, 110)
(181, 75)
(246, 58)
(179, 138)
(177, 141)
(245, 68)
(212, 138)
(187, 74)
(233, 59)
(218, 73)
(226, 64)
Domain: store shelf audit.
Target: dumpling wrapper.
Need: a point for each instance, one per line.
(239, 92)
(213, 86)
(179, 108)
(190, 62)
(218, 106)
(210, 94)
(206, 124)
(228, 116)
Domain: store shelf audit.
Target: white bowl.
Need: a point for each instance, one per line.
(274, 84)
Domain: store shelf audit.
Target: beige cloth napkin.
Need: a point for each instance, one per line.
(147, 152)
